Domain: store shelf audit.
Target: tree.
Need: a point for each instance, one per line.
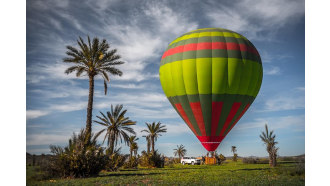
(233, 149)
(117, 126)
(269, 140)
(154, 131)
(148, 143)
(180, 151)
(133, 147)
(93, 59)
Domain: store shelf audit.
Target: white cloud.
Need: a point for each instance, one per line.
(50, 72)
(47, 139)
(129, 86)
(281, 103)
(31, 114)
(178, 128)
(56, 23)
(69, 106)
(49, 4)
(139, 46)
(297, 123)
(273, 70)
(256, 19)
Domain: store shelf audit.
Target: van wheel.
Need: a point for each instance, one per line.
(183, 163)
(193, 163)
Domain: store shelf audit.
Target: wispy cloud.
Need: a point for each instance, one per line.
(297, 123)
(31, 114)
(47, 139)
(281, 103)
(256, 20)
(129, 86)
(272, 70)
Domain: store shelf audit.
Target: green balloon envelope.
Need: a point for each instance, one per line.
(211, 76)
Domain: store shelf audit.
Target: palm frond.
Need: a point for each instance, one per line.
(71, 69)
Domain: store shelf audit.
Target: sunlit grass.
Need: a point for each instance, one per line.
(230, 173)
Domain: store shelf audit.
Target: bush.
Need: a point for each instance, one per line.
(80, 158)
(252, 160)
(132, 163)
(151, 160)
(169, 162)
(235, 157)
(115, 160)
(221, 158)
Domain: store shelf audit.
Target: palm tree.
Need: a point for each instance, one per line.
(133, 147)
(180, 151)
(154, 131)
(148, 143)
(269, 140)
(233, 149)
(92, 59)
(117, 126)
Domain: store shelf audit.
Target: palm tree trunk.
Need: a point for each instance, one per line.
(90, 108)
(130, 152)
(148, 146)
(153, 145)
(112, 143)
(271, 160)
(274, 159)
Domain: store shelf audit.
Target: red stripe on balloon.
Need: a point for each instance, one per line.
(185, 117)
(210, 143)
(197, 111)
(239, 117)
(230, 117)
(216, 112)
(210, 46)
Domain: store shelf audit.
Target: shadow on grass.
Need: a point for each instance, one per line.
(136, 174)
(184, 168)
(288, 162)
(251, 169)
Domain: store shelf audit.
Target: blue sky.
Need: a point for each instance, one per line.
(141, 31)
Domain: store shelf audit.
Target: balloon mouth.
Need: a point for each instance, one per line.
(210, 143)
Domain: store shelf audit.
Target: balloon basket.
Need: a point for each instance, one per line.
(210, 161)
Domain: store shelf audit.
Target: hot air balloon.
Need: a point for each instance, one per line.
(211, 76)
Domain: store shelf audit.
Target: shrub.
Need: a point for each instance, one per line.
(250, 160)
(80, 158)
(132, 163)
(115, 160)
(169, 162)
(235, 157)
(151, 160)
(222, 158)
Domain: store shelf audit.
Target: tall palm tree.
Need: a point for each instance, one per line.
(117, 126)
(154, 130)
(133, 147)
(92, 59)
(180, 151)
(269, 140)
(148, 143)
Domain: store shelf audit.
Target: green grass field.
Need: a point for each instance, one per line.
(230, 173)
